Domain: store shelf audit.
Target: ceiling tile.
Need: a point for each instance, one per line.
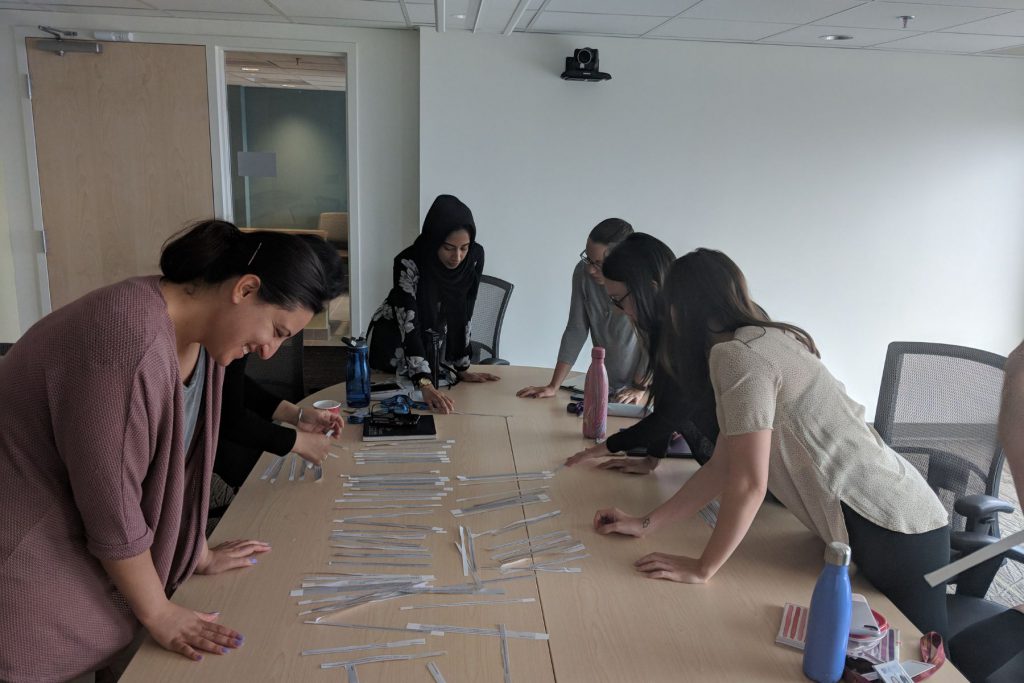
(496, 14)
(712, 29)
(217, 6)
(649, 8)
(424, 14)
(105, 4)
(952, 42)
(998, 4)
(227, 16)
(352, 23)
(364, 10)
(926, 17)
(812, 35)
(608, 24)
(780, 11)
(1010, 24)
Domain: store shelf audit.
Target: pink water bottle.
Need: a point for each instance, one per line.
(595, 397)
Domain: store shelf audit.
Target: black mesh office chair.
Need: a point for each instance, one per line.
(5, 347)
(281, 374)
(938, 407)
(488, 315)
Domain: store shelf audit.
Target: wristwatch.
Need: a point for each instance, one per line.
(424, 382)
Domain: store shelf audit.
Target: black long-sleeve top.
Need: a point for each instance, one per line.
(674, 411)
(247, 410)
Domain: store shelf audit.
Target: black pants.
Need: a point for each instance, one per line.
(896, 563)
(986, 647)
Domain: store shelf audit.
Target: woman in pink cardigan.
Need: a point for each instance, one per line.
(108, 426)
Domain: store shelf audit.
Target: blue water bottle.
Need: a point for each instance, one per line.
(828, 625)
(357, 375)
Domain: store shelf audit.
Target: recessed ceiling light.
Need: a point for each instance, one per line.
(836, 36)
(285, 85)
(249, 68)
(459, 16)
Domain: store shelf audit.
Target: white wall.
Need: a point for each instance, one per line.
(868, 196)
(386, 95)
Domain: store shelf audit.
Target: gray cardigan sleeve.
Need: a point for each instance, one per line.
(577, 329)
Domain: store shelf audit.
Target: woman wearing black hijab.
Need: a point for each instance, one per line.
(436, 282)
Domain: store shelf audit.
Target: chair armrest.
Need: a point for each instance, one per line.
(980, 505)
(493, 361)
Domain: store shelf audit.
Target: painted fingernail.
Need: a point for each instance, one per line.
(199, 658)
(216, 614)
(239, 640)
(223, 650)
(253, 560)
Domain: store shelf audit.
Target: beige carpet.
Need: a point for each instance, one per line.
(1008, 587)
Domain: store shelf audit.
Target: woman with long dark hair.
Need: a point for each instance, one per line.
(107, 438)
(633, 275)
(788, 426)
(435, 287)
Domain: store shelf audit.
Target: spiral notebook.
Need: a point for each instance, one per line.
(400, 428)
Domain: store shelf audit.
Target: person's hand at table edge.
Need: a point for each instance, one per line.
(631, 396)
(678, 568)
(597, 451)
(230, 555)
(189, 632)
(615, 521)
(631, 464)
(436, 400)
(537, 392)
(477, 377)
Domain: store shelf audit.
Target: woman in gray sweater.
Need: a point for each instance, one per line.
(591, 313)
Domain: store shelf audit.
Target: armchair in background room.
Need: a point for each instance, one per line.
(488, 316)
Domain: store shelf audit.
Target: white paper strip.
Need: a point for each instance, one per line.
(318, 622)
(514, 601)
(521, 523)
(465, 630)
(943, 575)
(435, 672)
(504, 652)
(359, 648)
(379, 658)
(520, 501)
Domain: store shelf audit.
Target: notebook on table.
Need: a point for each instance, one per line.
(400, 428)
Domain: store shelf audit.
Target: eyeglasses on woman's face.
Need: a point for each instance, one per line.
(617, 303)
(587, 261)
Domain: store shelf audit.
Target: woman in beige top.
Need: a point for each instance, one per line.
(787, 426)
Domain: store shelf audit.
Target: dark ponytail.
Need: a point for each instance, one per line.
(291, 273)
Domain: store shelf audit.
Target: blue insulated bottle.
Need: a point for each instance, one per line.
(828, 625)
(357, 376)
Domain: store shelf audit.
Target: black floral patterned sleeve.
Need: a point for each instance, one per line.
(397, 340)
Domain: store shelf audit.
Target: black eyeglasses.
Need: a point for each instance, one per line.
(617, 303)
(587, 260)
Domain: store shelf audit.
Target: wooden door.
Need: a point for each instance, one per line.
(123, 148)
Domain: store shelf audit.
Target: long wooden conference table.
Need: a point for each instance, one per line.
(606, 623)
